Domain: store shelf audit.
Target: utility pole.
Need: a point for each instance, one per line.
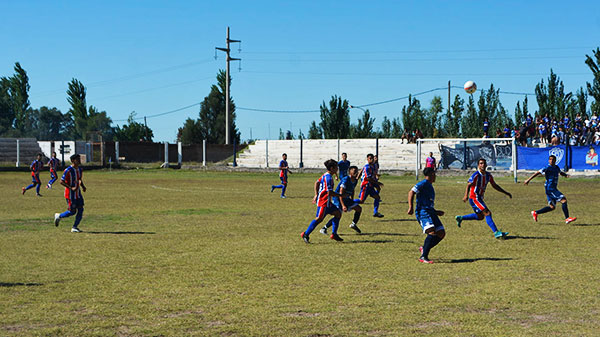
(448, 96)
(146, 128)
(229, 58)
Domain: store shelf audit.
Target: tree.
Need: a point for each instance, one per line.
(490, 107)
(335, 119)
(553, 100)
(281, 135)
(7, 114)
(314, 131)
(133, 131)
(99, 122)
(471, 128)
(190, 132)
(386, 128)
(593, 88)
(431, 124)
(19, 85)
(581, 98)
(396, 128)
(451, 124)
(77, 98)
(412, 115)
(289, 135)
(364, 127)
(49, 124)
(519, 116)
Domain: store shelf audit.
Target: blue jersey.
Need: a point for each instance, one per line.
(425, 196)
(284, 171)
(36, 167)
(479, 182)
(486, 125)
(71, 176)
(506, 133)
(348, 186)
(551, 173)
(343, 166)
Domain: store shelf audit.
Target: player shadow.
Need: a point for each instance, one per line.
(394, 220)
(512, 237)
(18, 284)
(386, 234)
(118, 233)
(475, 260)
(371, 241)
(586, 224)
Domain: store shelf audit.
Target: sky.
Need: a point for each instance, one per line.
(158, 57)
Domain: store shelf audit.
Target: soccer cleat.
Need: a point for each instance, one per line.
(378, 215)
(283, 197)
(304, 237)
(534, 215)
(56, 219)
(23, 190)
(76, 230)
(458, 220)
(500, 234)
(272, 188)
(323, 230)
(355, 228)
(39, 195)
(336, 237)
(424, 260)
(421, 249)
(569, 220)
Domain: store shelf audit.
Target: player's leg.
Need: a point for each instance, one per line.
(30, 186)
(278, 186)
(565, 209)
(78, 218)
(376, 200)
(428, 224)
(38, 183)
(551, 206)
(357, 212)
(318, 219)
(284, 183)
(498, 234)
(335, 223)
(478, 207)
(362, 195)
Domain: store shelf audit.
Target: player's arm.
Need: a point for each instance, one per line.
(466, 197)
(82, 185)
(342, 191)
(411, 199)
(499, 189)
(316, 192)
(566, 175)
(333, 193)
(532, 176)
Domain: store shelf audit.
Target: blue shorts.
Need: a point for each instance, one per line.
(283, 179)
(350, 204)
(553, 195)
(75, 204)
(325, 210)
(477, 204)
(35, 178)
(367, 190)
(429, 219)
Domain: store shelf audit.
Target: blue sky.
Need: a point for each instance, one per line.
(157, 56)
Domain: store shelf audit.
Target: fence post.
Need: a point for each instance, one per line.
(234, 152)
(301, 163)
(515, 158)
(377, 147)
(62, 152)
(267, 152)
(166, 164)
(204, 152)
(179, 153)
(465, 156)
(117, 153)
(338, 150)
(18, 153)
(418, 161)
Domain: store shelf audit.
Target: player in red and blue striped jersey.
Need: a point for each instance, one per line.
(323, 193)
(369, 185)
(53, 165)
(474, 193)
(283, 173)
(35, 167)
(346, 202)
(73, 183)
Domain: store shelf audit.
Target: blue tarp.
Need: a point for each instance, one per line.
(535, 158)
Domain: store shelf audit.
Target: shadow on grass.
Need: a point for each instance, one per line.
(475, 260)
(383, 234)
(586, 224)
(511, 237)
(393, 220)
(90, 232)
(370, 241)
(18, 284)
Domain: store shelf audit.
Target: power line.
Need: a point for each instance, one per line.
(345, 52)
(160, 114)
(301, 60)
(403, 74)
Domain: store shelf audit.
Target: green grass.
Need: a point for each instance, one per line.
(182, 253)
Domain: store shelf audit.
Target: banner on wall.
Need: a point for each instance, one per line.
(459, 156)
(535, 158)
(584, 157)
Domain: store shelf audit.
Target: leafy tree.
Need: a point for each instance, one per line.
(593, 88)
(451, 124)
(19, 84)
(190, 132)
(335, 119)
(300, 134)
(431, 122)
(412, 115)
(7, 114)
(581, 98)
(281, 135)
(396, 128)
(364, 127)
(471, 128)
(490, 107)
(133, 131)
(77, 98)
(519, 116)
(553, 100)
(99, 122)
(386, 128)
(50, 124)
(314, 131)
(289, 135)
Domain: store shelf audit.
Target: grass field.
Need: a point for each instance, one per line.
(183, 253)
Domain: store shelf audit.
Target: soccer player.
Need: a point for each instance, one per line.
(486, 126)
(552, 171)
(426, 214)
(430, 161)
(283, 172)
(474, 193)
(346, 201)
(343, 166)
(367, 185)
(71, 180)
(53, 165)
(323, 193)
(35, 167)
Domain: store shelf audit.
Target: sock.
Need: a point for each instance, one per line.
(335, 222)
(66, 214)
(544, 210)
(37, 188)
(565, 210)
(329, 223)
(277, 186)
(311, 227)
(376, 206)
(30, 186)
(490, 222)
(356, 217)
(78, 217)
(283, 190)
(427, 245)
(472, 216)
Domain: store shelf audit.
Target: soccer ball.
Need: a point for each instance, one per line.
(470, 87)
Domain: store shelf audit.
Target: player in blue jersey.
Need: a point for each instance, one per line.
(551, 172)
(343, 166)
(486, 127)
(53, 165)
(474, 193)
(323, 193)
(426, 214)
(369, 185)
(346, 201)
(36, 167)
(73, 183)
(283, 173)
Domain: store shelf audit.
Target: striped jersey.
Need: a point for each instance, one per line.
(53, 164)
(36, 167)
(283, 172)
(325, 185)
(367, 172)
(479, 182)
(71, 176)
